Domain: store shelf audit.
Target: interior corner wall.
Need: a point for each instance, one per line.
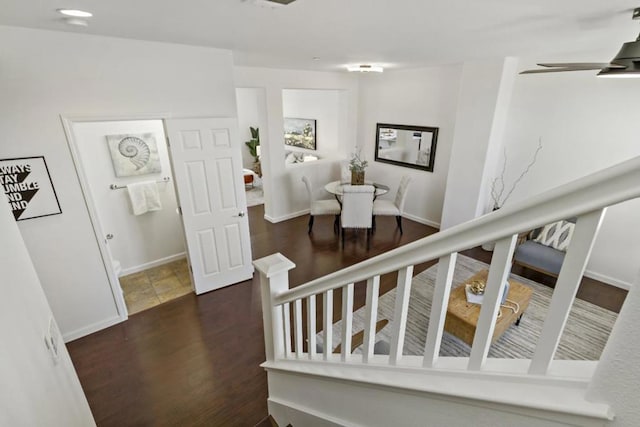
(45, 74)
(139, 241)
(35, 390)
(421, 97)
(483, 100)
(284, 193)
(586, 124)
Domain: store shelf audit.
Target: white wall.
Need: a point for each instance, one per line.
(34, 389)
(45, 74)
(586, 124)
(324, 107)
(617, 377)
(483, 101)
(422, 97)
(139, 240)
(285, 194)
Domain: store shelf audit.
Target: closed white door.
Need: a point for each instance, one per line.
(207, 168)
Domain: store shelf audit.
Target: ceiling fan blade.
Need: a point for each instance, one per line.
(590, 65)
(556, 70)
(572, 66)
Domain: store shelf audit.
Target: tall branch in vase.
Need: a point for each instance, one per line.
(498, 186)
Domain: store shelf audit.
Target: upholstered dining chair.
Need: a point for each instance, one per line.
(357, 208)
(322, 207)
(393, 207)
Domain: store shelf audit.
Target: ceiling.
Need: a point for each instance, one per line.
(393, 33)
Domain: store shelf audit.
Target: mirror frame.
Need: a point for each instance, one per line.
(428, 129)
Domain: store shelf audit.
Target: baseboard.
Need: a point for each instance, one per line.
(95, 327)
(422, 220)
(306, 212)
(156, 263)
(286, 217)
(285, 412)
(608, 280)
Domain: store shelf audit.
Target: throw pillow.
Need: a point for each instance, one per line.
(557, 235)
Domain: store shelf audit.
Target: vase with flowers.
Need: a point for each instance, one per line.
(357, 166)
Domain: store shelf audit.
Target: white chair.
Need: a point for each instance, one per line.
(357, 208)
(322, 207)
(393, 207)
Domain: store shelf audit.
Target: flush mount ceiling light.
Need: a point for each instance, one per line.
(78, 22)
(272, 4)
(364, 68)
(283, 2)
(75, 13)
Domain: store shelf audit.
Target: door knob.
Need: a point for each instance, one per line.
(109, 236)
(240, 214)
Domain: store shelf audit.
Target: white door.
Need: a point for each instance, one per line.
(207, 168)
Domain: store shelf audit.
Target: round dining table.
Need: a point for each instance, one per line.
(335, 188)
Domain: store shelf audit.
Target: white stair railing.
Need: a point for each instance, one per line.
(585, 199)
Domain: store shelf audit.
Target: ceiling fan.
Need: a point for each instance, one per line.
(625, 64)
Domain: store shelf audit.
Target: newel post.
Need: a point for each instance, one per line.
(274, 279)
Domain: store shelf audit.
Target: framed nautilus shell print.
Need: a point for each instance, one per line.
(134, 154)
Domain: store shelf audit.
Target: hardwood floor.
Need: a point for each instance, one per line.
(194, 361)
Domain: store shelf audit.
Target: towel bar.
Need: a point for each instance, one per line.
(119, 187)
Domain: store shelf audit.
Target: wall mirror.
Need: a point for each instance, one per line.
(409, 146)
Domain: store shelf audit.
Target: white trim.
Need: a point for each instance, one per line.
(306, 211)
(286, 217)
(557, 399)
(277, 406)
(89, 329)
(114, 283)
(107, 261)
(422, 220)
(608, 280)
(116, 117)
(147, 265)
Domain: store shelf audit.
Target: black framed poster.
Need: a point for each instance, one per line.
(28, 187)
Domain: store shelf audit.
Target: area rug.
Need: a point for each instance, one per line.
(584, 337)
(255, 196)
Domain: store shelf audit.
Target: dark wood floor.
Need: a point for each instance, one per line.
(194, 361)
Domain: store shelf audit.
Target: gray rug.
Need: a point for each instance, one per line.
(584, 337)
(255, 196)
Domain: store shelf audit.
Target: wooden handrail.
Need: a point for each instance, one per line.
(596, 191)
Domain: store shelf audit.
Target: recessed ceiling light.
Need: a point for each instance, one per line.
(75, 13)
(365, 68)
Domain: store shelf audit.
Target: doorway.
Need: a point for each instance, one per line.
(213, 230)
(146, 250)
(252, 122)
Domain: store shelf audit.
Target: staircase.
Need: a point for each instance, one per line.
(310, 388)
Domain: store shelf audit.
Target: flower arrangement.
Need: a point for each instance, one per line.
(498, 187)
(356, 164)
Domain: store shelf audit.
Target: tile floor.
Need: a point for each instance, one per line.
(152, 287)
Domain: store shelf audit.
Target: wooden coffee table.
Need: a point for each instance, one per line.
(462, 317)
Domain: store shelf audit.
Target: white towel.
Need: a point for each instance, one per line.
(144, 197)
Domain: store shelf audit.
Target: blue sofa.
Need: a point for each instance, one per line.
(539, 257)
